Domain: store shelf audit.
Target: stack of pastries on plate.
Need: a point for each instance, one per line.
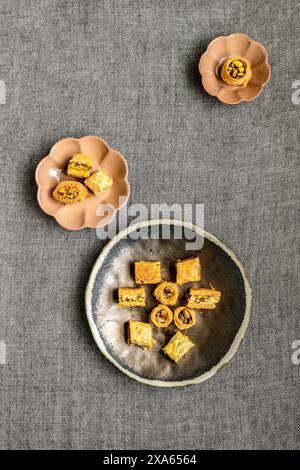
(167, 294)
(80, 167)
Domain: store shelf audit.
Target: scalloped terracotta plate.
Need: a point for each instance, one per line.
(225, 47)
(52, 169)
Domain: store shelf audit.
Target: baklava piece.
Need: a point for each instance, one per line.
(140, 333)
(236, 71)
(203, 298)
(166, 293)
(131, 297)
(178, 346)
(188, 270)
(161, 316)
(184, 318)
(67, 192)
(98, 182)
(147, 272)
(80, 166)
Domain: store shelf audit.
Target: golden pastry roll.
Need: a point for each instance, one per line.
(67, 192)
(140, 333)
(131, 297)
(161, 316)
(203, 298)
(236, 71)
(178, 346)
(188, 270)
(98, 182)
(79, 166)
(147, 272)
(184, 317)
(166, 293)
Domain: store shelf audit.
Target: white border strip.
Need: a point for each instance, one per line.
(238, 338)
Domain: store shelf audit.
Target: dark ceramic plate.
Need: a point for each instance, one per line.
(217, 333)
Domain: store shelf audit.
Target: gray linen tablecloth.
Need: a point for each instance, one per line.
(127, 71)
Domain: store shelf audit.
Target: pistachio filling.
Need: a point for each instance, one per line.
(237, 69)
(211, 299)
(161, 316)
(68, 192)
(185, 317)
(168, 292)
(79, 166)
(132, 297)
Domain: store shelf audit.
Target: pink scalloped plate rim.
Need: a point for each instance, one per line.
(85, 214)
(224, 47)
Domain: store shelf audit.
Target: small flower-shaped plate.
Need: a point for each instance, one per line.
(225, 47)
(85, 214)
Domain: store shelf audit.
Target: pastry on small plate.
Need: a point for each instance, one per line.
(178, 346)
(188, 270)
(166, 293)
(147, 272)
(140, 333)
(131, 297)
(98, 182)
(234, 68)
(68, 192)
(79, 166)
(236, 71)
(203, 298)
(161, 316)
(54, 167)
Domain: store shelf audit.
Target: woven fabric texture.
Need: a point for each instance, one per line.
(128, 71)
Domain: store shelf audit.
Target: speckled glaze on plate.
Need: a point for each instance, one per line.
(217, 334)
(225, 47)
(52, 169)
